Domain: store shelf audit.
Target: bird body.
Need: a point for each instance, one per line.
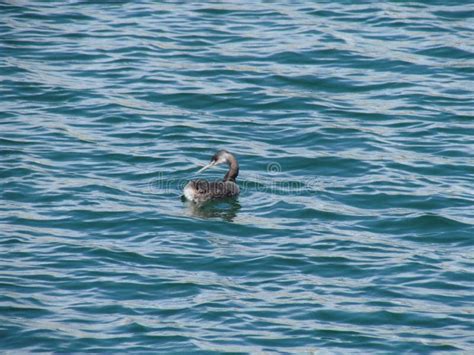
(200, 191)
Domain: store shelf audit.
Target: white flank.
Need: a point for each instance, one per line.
(189, 192)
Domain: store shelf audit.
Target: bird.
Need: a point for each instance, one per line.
(200, 191)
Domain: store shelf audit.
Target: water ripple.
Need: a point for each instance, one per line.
(353, 128)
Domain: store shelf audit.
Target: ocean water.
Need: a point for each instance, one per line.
(354, 129)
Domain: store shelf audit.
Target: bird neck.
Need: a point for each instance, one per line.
(233, 169)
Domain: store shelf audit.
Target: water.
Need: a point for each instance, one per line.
(353, 125)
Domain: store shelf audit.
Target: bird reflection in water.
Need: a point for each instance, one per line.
(225, 209)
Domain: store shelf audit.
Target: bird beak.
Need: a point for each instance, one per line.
(210, 165)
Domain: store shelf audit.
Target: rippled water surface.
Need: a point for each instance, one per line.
(353, 126)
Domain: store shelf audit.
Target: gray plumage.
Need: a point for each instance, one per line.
(201, 190)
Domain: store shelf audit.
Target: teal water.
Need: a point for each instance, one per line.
(354, 129)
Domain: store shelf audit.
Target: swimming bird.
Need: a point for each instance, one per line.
(200, 191)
